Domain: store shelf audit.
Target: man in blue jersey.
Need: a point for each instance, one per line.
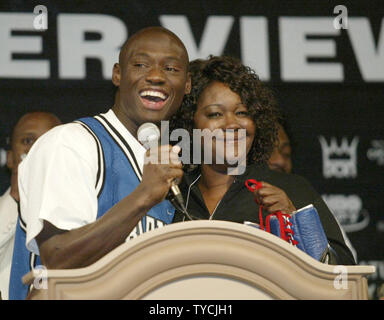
(85, 188)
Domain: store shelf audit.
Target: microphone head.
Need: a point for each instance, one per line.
(148, 133)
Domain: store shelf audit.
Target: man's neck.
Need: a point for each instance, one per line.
(125, 120)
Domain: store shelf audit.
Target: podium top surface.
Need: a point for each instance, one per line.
(202, 228)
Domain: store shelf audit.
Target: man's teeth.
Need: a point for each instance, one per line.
(157, 94)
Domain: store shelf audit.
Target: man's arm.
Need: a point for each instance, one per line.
(53, 206)
(85, 245)
(61, 249)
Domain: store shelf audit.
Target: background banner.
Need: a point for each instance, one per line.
(324, 60)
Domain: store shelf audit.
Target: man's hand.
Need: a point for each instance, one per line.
(162, 167)
(273, 199)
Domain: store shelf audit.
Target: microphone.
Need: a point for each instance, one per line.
(147, 134)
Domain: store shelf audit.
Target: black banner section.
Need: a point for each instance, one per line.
(323, 59)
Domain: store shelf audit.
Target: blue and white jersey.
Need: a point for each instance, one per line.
(23, 261)
(116, 172)
(120, 174)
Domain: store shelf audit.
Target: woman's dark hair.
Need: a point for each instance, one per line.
(242, 80)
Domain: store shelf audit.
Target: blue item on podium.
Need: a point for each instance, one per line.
(302, 229)
(308, 231)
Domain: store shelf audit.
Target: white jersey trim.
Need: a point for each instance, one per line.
(100, 176)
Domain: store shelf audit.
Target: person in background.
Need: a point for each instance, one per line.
(24, 134)
(281, 156)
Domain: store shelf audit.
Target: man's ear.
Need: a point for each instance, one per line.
(116, 73)
(10, 159)
(188, 85)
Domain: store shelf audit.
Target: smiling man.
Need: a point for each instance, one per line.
(152, 76)
(85, 188)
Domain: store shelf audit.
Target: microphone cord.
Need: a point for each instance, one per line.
(183, 210)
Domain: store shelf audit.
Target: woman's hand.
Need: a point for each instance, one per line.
(273, 199)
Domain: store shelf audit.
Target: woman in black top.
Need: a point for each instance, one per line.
(229, 97)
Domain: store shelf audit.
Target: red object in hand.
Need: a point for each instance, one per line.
(285, 225)
(253, 185)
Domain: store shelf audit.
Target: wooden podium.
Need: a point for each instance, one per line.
(205, 260)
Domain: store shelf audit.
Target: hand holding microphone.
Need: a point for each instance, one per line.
(163, 168)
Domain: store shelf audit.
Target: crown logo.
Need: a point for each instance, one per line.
(339, 160)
